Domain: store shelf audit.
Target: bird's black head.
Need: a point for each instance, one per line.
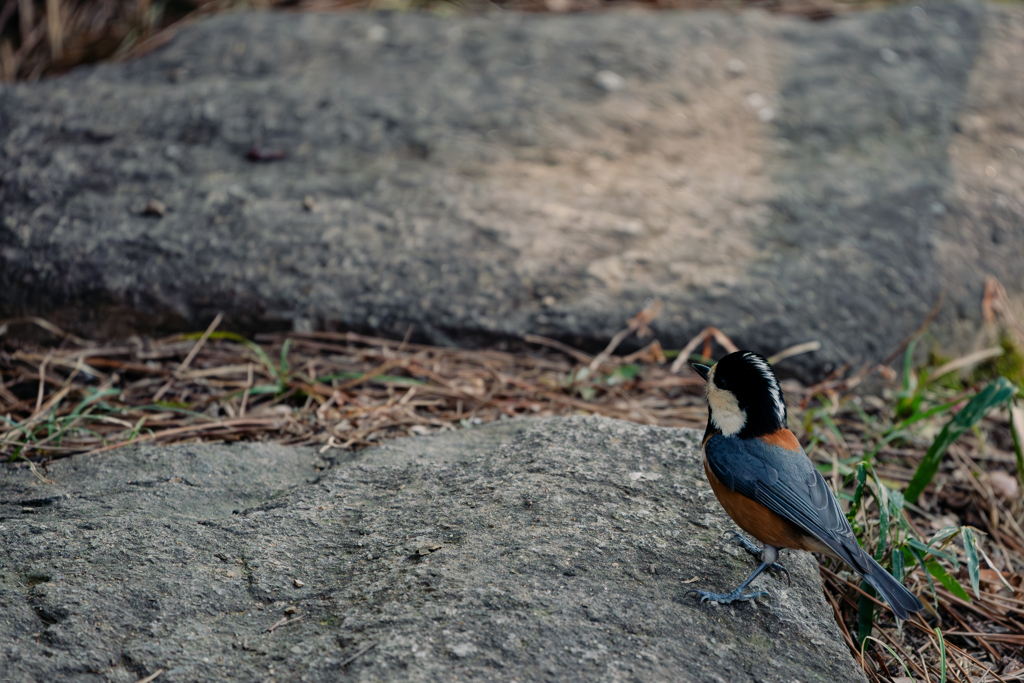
(744, 395)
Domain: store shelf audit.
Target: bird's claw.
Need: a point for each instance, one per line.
(743, 541)
(751, 548)
(778, 567)
(726, 598)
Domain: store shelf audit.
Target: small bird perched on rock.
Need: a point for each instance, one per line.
(767, 484)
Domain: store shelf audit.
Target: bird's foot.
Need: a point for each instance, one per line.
(741, 540)
(779, 568)
(726, 598)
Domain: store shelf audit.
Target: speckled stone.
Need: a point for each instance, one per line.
(553, 550)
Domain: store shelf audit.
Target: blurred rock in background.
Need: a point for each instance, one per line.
(486, 177)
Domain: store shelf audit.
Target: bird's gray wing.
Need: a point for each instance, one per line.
(785, 482)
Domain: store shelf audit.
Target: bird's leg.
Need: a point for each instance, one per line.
(767, 556)
(770, 554)
(759, 554)
(737, 595)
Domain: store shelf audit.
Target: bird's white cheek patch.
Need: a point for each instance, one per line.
(725, 409)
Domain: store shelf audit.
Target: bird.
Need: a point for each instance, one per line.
(764, 480)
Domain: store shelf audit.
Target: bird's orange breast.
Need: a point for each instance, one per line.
(759, 521)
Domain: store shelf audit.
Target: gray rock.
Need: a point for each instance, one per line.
(486, 177)
(549, 550)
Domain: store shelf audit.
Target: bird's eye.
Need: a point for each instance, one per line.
(720, 381)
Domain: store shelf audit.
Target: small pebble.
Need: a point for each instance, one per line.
(463, 650)
(377, 34)
(736, 67)
(308, 203)
(155, 207)
(291, 609)
(609, 81)
(299, 583)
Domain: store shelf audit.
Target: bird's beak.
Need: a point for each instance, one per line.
(702, 370)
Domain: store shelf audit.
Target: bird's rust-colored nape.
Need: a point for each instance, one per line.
(782, 438)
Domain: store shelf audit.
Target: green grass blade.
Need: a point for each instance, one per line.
(386, 379)
(899, 571)
(951, 584)
(996, 393)
(264, 389)
(896, 503)
(865, 613)
(919, 558)
(1016, 429)
(92, 399)
(883, 518)
(327, 379)
(929, 550)
(168, 408)
(826, 471)
(252, 346)
(908, 367)
(971, 550)
(934, 410)
(891, 652)
(909, 400)
(622, 374)
(284, 358)
(942, 654)
(863, 416)
(943, 534)
(858, 493)
(831, 425)
(137, 428)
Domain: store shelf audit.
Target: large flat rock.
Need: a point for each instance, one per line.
(486, 177)
(538, 551)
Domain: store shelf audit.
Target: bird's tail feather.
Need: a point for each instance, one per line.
(895, 593)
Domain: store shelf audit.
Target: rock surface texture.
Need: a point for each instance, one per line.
(543, 551)
(486, 177)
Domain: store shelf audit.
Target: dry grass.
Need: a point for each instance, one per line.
(45, 37)
(325, 389)
(347, 391)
